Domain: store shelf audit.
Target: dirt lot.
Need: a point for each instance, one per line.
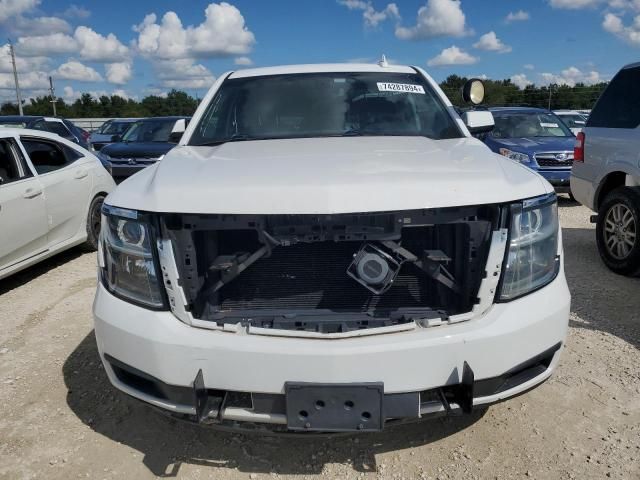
(60, 418)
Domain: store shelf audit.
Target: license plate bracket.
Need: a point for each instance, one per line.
(329, 407)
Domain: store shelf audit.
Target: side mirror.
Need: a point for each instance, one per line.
(478, 121)
(177, 131)
(116, 138)
(473, 91)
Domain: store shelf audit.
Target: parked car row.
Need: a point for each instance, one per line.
(59, 126)
(142, 143)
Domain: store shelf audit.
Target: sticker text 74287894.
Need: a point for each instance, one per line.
(400, 87)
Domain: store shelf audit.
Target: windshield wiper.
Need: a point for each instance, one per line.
(238, 137)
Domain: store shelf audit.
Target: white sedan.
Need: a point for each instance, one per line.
(51, 194)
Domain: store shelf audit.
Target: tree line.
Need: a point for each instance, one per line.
(498, 93)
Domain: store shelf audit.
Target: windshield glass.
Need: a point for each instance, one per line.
(115, 128)
(573, 120)
(149, 131)
(324, 105)
(528, 124)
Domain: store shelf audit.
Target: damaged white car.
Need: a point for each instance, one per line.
(329, 249)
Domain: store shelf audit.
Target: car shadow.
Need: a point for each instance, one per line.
(167, 443)
(25, 276)
(600, 299)
(565, 201)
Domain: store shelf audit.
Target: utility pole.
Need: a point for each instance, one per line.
(53, 96)
(551, 87)
(15, 77)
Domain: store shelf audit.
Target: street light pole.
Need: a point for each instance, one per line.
(15, 77)
(53, 96)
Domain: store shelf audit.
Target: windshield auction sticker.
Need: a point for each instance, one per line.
(400, 87)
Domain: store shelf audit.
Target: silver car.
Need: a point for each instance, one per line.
(606, 171)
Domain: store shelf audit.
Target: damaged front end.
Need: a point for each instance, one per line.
(330, 275)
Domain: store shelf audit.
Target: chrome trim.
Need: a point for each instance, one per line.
(553, 156)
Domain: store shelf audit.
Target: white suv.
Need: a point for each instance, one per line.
(606, 171)
(329, 249)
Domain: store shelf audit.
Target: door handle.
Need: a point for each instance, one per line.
(32, 192)
(80, 174)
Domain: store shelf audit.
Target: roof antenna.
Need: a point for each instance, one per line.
(383, 61)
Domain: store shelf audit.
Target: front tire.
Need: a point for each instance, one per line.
(93, 223)
(618, 230)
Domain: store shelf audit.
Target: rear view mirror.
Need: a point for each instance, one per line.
(478, 121)
(177, 131)
(473, 91)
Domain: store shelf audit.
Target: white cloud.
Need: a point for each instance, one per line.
(90, 45)
(69, 95)
(490, 42)
(519, 16)
(73, 70)
(28, 80)
(222, 33)
(43, 45)
(452, 56)
(98, 48)
(183, 73)
(21, 25)
(529, 66)
(118, 72)
(371, 16)
(245, 61)
(521, 80)
(572, 76)
(11, 8)
(75, 11)
(629, 33)
(119, 92)
(23, 64)
(574, 4)
(436, 18)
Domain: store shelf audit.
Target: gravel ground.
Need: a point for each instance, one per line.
(60, 418)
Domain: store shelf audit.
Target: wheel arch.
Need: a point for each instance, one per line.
(609, 183)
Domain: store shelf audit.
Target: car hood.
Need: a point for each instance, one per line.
(137, 149)
(328, 175)
(533, 145)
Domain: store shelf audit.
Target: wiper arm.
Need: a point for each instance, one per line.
(238, 137)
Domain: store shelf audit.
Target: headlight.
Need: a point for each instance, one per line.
(129, 263)
(532, 258)
(515, 156)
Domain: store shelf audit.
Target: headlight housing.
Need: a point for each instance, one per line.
(515, 156)
(128, 257)
(532, 259)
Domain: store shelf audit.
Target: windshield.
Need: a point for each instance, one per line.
(149, 131)
(115, 128)
(528, 124)
(324, 105)
(573, 120)
(13, 124)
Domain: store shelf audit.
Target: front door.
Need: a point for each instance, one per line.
(23, 214)
(64, 175)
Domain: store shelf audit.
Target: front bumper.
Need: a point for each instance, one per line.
(120, 172)
(171, 354)
(558, 178)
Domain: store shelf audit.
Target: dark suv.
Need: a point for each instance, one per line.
(59, 126)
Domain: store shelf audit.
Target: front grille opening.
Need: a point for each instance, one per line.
(301, 282)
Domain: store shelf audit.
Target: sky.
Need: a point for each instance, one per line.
(136, 48)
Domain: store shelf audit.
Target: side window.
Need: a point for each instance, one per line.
(619, 105)
(48, 156)
(58, 128)
(12, 166)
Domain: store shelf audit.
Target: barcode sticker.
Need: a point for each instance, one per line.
(400, 87)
